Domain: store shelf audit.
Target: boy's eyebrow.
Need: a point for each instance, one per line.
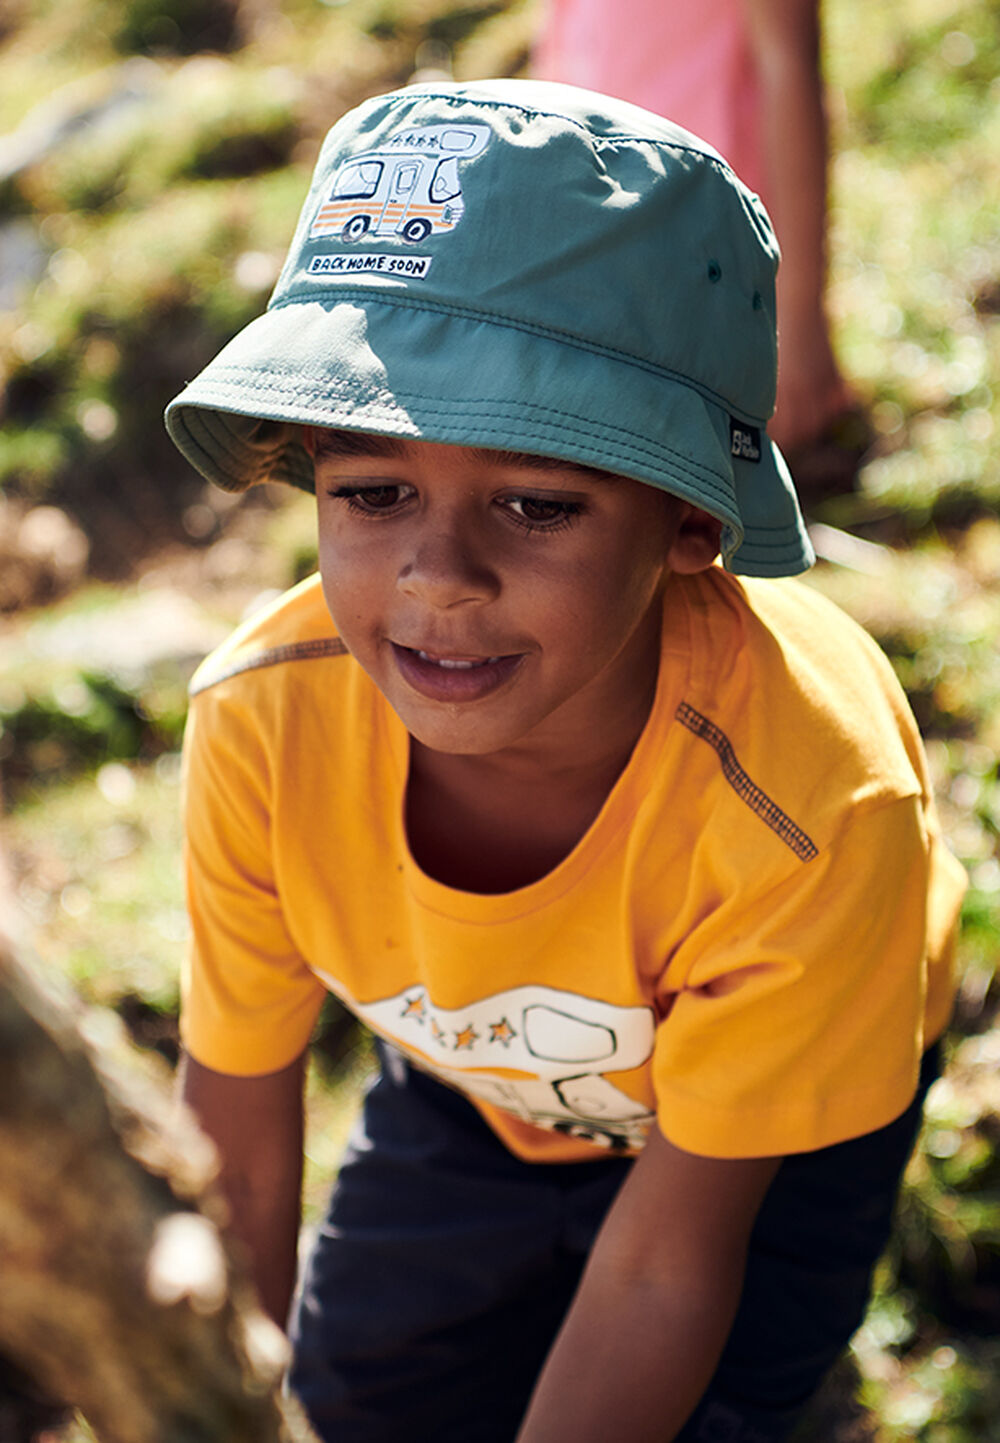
(527, 461)
(345, 444)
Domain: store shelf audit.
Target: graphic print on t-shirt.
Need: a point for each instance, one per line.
(538, 1052)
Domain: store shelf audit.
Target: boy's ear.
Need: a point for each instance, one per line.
(696, 541)
(308, 437)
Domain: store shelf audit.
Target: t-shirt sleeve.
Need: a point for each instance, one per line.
(796, 1014)
(248, 999)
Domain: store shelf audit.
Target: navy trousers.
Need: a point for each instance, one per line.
(445, 1267)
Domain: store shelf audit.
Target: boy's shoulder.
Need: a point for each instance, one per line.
(797, 697)
(780, 604)
(791, 642)
(295, 626)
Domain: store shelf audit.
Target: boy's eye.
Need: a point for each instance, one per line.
(371, 500)
(540, 513)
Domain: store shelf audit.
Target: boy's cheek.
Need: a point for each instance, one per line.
(352, 621)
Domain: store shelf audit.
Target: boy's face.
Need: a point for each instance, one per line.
(496, 600)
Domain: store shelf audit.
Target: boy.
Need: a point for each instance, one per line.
(637, 856)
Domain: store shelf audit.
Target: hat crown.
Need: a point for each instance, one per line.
(541, 206)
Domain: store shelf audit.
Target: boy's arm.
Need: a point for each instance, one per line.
(656, 1303)
(257, 1125)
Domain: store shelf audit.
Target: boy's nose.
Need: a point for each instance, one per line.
(445, 570)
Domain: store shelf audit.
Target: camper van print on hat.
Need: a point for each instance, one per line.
(409, 187)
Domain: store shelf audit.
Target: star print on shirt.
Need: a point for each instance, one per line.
(438, 1033)
(415, 1007)
(502, 1032)
(466, 1038)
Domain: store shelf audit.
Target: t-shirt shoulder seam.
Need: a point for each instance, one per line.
(805, 847)
(228, 667)
(759, 802)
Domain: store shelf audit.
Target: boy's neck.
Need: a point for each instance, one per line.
(482, 829)
(497, 822)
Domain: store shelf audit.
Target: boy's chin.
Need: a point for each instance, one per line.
(453, 739)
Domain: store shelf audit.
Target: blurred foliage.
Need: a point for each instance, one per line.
(93, 683)
(153, 157)
(103, 886)
(937, 86)
(181, 27)
(141, 255)
(90, 719)
(916, 253)
(153, 258)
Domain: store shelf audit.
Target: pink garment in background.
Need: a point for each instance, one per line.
(687, 59)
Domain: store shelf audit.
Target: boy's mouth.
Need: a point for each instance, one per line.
(453, 678)
(457, 663)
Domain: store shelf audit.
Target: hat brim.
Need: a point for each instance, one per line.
(403, 369)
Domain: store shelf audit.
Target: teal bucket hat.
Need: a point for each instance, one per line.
(520, 265)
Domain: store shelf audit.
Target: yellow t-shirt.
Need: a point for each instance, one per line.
(751, 943)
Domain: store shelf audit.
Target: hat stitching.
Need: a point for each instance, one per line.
(416, 303)
(752, 544)
(401, 98)
(583, 426)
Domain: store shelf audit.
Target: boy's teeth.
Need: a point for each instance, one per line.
(453, 664)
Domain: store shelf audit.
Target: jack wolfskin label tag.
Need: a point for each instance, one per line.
(744, 440)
